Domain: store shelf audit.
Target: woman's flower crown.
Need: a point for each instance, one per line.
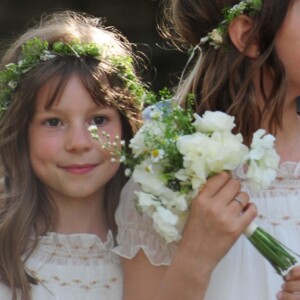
(215, 38)
(36, 50)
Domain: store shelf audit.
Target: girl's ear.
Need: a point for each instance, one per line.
(239, 30)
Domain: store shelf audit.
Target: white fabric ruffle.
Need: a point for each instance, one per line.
(136, 231)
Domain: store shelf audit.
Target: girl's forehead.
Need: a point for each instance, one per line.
(57, 92)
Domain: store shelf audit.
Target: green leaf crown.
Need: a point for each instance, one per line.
(215, 38)
(35, 51)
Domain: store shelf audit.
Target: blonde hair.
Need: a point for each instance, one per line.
(24, 201)
(222, 78)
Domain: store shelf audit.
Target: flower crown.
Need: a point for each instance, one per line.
(215, 38)
(36, 50)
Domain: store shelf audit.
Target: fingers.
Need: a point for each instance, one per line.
(242, 208)
(288, 296)
(285, 296)
(221, 186)
(294, 274)
(222, 202)
(222, 193)
(248, 215)
(216, 220)
(291, 286)
(215, 183)
(239, 202)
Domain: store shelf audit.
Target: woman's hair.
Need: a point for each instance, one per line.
(221, 79)
(24, 200)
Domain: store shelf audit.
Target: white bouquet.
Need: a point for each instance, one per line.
(176, 151)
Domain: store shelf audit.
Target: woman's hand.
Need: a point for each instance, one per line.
(291, 286)
(216, 220)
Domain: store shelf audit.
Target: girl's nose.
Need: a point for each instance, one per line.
(78, 139)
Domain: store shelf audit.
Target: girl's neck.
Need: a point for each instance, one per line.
(288, 137)
(82, 216)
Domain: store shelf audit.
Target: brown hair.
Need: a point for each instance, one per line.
(24, 199)
(222, 78)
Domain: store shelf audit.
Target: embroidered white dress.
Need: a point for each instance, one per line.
(243, 274)
(74, 267)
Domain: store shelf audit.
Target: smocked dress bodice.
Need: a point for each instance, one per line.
(74, 267)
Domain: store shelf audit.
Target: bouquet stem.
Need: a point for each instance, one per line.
(276, 253)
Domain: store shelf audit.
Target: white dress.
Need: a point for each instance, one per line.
(243, 274)
(74, 267)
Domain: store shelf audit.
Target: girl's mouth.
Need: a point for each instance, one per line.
(79, 169)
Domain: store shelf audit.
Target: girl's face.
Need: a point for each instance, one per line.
(288, 47)
(63, 155)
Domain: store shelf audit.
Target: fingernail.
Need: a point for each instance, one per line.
(279, 295)
(287, 276)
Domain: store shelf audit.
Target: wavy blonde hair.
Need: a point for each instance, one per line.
(222, 79)
(24, 200)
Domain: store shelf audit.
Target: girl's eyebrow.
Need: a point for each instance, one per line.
(55, 108)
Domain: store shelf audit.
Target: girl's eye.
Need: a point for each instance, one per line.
(99, 120)
(52, 122)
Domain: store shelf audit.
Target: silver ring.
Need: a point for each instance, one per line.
(239, 201)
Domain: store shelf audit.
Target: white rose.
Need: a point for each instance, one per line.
(174, 200)
(261, 139)
(194, 162)
(206, 155)
(191, 145)
(164, 222)
(147, 202)
(262, 160)
(199, 169)
(150, 181)
(259, 178)
(262, 148)
(182, 175)
(224, 151)
(214, 121)
(271, 159)
(146, 199)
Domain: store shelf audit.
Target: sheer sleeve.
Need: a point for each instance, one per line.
(136, 231)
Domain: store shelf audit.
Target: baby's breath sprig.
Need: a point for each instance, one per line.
(36, 51)
(115, 147)
(93, 130)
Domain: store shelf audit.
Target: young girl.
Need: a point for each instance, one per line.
(61, 188)
(245, 63)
